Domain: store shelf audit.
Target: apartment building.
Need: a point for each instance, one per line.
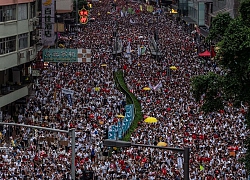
(198, 14)
(18, 49)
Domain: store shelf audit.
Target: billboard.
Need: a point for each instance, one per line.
(48, 22)
(64, 6)
(67, 55)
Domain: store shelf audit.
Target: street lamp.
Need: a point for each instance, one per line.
(70, 132)
(115, 34)
(185, 151)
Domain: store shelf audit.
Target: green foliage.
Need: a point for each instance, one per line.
(233, 39)
(245, 12)
(131, 99)
(219, 26)
(208, 87)
(234, 56)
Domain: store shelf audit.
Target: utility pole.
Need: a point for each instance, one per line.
(185, 151)
(70, 132)
(77, 16)
(157, 37)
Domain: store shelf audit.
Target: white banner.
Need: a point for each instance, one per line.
(67, 91)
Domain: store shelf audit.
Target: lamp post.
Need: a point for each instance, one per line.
(115, 34)
(157, 37)
(185, 151)
(70, 132)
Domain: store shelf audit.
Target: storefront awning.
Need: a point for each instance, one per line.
(188, 20)
(221, 11)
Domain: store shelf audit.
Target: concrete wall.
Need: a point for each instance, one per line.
(13, 96)
(9, 2)
(63, 6)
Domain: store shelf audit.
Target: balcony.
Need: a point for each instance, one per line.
(11, 93)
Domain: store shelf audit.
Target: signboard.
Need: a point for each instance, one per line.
(48, 21)
(36, 72)
(67, 55)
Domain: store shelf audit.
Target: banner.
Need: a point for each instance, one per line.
(48, 22)
(119, 130)
(67, 91)
(67, 55)
(112, 133)
(69, 97)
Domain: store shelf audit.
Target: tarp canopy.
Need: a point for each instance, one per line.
(205, 54)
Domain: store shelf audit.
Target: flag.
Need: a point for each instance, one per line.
(131, 10)
(150, 86)
(213, 53)
(143, 50)
(158, 86)
(139, 50)
(54, 95)
(122, 14)
(201, 168)
(141, 8)
(150, 8)
(128, 50)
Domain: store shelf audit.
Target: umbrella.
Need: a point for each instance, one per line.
(104, 65)
(146, 88)
(173, 68)
(120, 116)
(150, 120)
(162, 144)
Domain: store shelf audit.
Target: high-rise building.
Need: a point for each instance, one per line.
(18, 50)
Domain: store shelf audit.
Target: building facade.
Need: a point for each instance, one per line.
(18, 48)
(199, 13)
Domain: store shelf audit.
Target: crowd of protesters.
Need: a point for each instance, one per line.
(215, 140)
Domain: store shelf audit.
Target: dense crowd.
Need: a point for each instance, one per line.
(215, 140)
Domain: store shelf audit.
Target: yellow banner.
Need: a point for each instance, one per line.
(150, 8)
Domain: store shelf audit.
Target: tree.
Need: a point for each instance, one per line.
(233, 56)
(218, 27)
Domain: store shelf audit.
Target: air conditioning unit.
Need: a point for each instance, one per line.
(31, 52)
(31, 22)
(28, 55)
(21, 55)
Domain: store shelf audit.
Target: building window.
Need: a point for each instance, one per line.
(2, 46)
(1, 13)
(22, 11)
(7, 13)
(23, 40)
(7, 45)
(32, 10)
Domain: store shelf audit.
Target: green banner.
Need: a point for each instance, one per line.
(60, 55)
